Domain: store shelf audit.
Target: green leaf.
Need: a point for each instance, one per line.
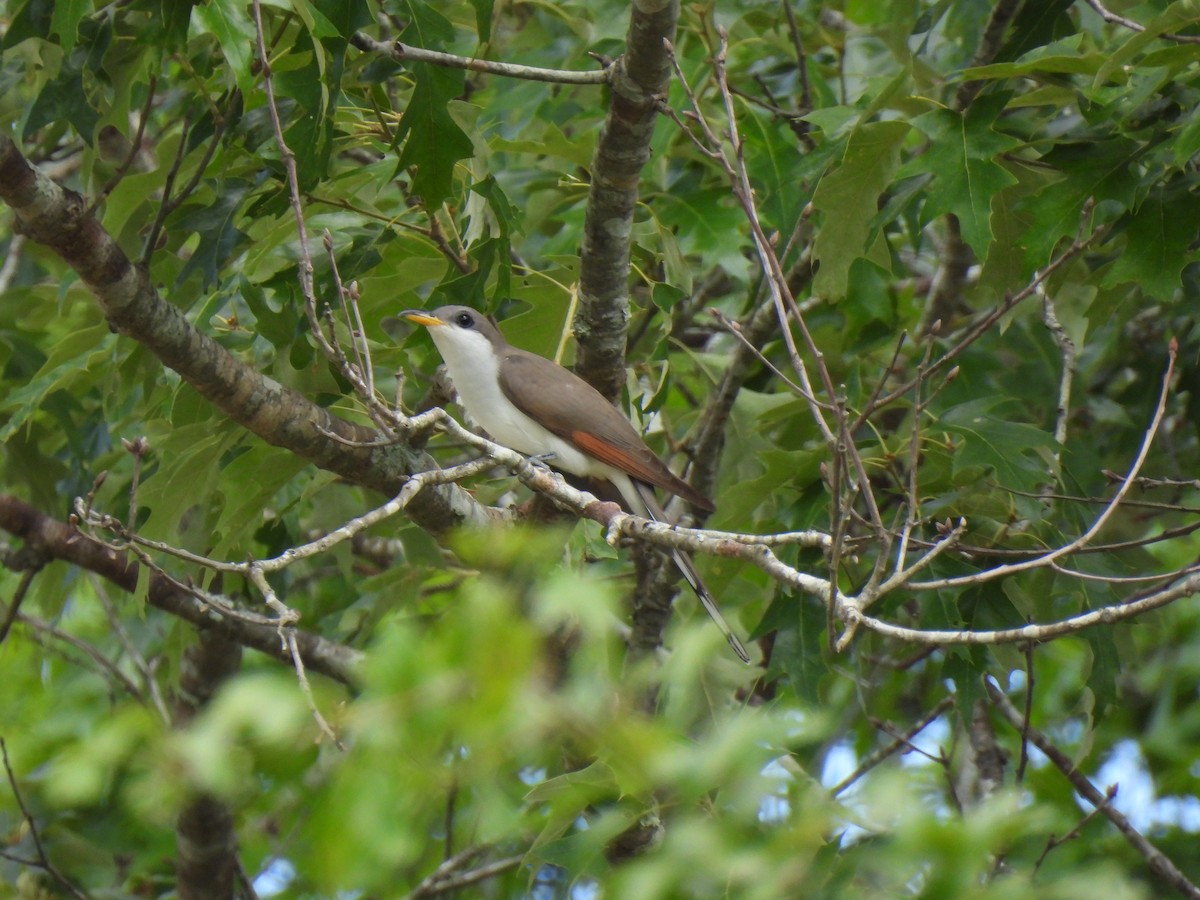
(1035, 26)
(1008, 447)
(962, 158)
(280, 327)
(433, 141)
(179, 494)
(34, 19)
(65, 20)
(249, 484)
(427, 28)
(483, 19)
(344, 17)
(309, 134)
(800, 625)
(1179, 15)
(567, 795)
(848, 196)
(1106, 666)
(1061, 57)
(1160, 241)
(702, 220)
(1187, 142)
(508, 216)
(1096, 170)
(175, 17)
(508, 220)
(65, 97)
(966, 667)
(217, 229)
(229, 22)
(81, 350)
(576, 150)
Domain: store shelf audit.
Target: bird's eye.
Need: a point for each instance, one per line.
(464, 320)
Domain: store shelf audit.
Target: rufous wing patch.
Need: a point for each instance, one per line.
(641, 463)
(616, 457)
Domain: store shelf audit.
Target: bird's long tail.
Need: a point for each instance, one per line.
(687, 568)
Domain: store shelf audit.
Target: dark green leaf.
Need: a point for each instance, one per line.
(998, 443)
(33, 19)
(433, 141)
(217, 228)
(800, 642)
(427, 28)
(230, 24)
(483, 19)
(1160, 241)
(346, 16)
(963, 158)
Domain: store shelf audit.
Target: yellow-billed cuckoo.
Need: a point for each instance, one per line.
(538, 408)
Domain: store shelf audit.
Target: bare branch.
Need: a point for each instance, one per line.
(899, 743)
(1158, 861)
(407, 53)
(1043, 632)
(59, 541)
(1113, 19)
(1066, 347)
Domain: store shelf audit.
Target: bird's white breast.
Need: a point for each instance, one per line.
(474, 369)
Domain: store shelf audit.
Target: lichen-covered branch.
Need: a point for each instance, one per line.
(638, 79)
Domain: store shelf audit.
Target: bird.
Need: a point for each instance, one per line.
(536, 407)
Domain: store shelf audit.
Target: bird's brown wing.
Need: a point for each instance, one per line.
(558, 398)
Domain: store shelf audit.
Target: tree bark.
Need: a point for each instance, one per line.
(639, 79)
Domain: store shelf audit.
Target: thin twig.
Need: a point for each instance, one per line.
(12, 261)
(1101, 520)
(19, 595)
(306, 689)
(1085, 237)
(144, 668)
(444, 880)
(103, 664)
(1158, 861)
(135, 148)
(1053, 842)
(900, 742)
(407, 53)
(1032, 632)
(151, 243)
(43, 861)
(1025, 725)
(1113, 19)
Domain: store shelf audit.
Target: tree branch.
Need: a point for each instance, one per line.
(59, 541)
(407, 53)
(638, 79)
(1158, 861)
(58, 218)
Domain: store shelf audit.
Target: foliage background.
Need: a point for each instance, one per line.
(914, 162)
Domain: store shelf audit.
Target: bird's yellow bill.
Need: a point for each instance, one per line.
(423, 318)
